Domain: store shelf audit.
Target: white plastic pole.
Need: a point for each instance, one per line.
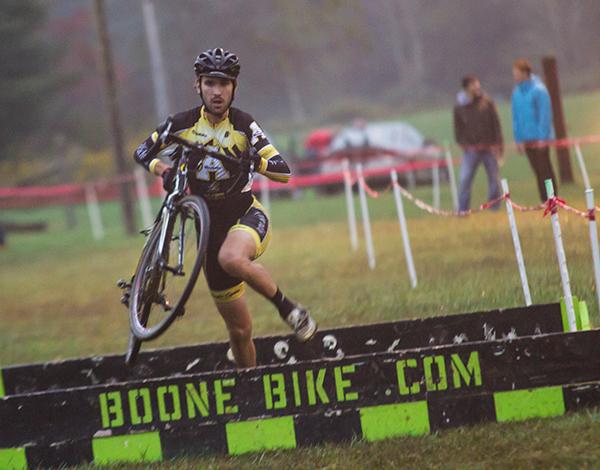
(582, 168)
(589, 199)
(143, 196)
(265, 195)
(412, 273)
(452, 177)
(517, 244)
(411, 180)
(93, 209)
(350, 205)
(365, 217)
(435, 178)
(562, 261)
(159, 79)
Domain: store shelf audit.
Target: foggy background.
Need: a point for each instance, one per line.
(303, 63)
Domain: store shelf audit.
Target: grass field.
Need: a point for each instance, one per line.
(58, 299)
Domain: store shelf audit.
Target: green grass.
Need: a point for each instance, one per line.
(58, 299)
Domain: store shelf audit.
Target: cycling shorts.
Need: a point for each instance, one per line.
(245, 214)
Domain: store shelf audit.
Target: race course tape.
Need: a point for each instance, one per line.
(371, 423)
(328, 344)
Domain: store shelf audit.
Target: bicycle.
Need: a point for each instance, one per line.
(157, 285)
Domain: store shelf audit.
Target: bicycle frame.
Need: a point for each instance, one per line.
(168, 210)
(180, 187)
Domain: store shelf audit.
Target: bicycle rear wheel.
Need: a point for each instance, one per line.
(166, 277)
(134, 344)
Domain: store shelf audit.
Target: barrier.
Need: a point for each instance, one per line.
(327, 344)
(398, 393)
(369, 423)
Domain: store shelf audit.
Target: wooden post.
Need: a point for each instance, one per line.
(553, 85)
(115, 122)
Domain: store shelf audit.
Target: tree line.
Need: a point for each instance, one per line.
(304, 62)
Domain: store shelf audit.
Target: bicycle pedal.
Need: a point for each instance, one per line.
(123, 284)
(125, 299)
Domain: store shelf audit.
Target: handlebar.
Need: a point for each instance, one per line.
(203, 149)
(168, 137)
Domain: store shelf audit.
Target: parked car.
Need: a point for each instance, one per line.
(381, 145)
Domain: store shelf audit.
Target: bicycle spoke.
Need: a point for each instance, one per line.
(163, 289)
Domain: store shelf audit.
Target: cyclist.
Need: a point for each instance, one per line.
(240, 228)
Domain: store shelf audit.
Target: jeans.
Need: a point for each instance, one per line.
(539, 159)
(468, 167)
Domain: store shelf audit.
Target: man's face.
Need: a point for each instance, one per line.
(474, 88)
(519, 75)
(216, 93)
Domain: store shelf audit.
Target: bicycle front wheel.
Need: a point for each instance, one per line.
(167, 272)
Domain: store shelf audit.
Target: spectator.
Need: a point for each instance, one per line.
(477, 130)
(532, 122)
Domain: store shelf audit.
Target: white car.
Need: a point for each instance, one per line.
(381, 145)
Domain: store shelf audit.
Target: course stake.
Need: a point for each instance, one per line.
(582, 168)
(365, 216)
(93, 208)
(452, 178)
(589, 199)
(562, 259)
(350, 205)
(405, 240)
(265, 195)
(142, 193)
(517, 243)
(435, 181)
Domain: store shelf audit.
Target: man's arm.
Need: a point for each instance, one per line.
(145, 155)
(272, 164)
(515, 123)
(544, 106)
(458, 128)
(496, 127)
(147, 151)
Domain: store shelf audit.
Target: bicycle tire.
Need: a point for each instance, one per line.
(189, 207)
(133, 343)
(133, 348)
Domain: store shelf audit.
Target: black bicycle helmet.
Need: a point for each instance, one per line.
(217, 62)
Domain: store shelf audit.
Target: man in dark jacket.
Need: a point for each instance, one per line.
(477, 130)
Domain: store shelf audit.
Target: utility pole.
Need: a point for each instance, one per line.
(115, 121)
(552, 83)
(159, 79)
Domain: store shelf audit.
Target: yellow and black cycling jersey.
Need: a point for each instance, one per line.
(237, 132)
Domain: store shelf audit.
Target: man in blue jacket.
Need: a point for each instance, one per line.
(532, 122)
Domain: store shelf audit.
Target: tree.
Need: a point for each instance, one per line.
(26, 77)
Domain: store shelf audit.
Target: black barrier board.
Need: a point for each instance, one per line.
(370, 423)
(303, 388)
(334, 343)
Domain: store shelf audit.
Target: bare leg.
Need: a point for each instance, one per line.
(239, 324)
(236, 257)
